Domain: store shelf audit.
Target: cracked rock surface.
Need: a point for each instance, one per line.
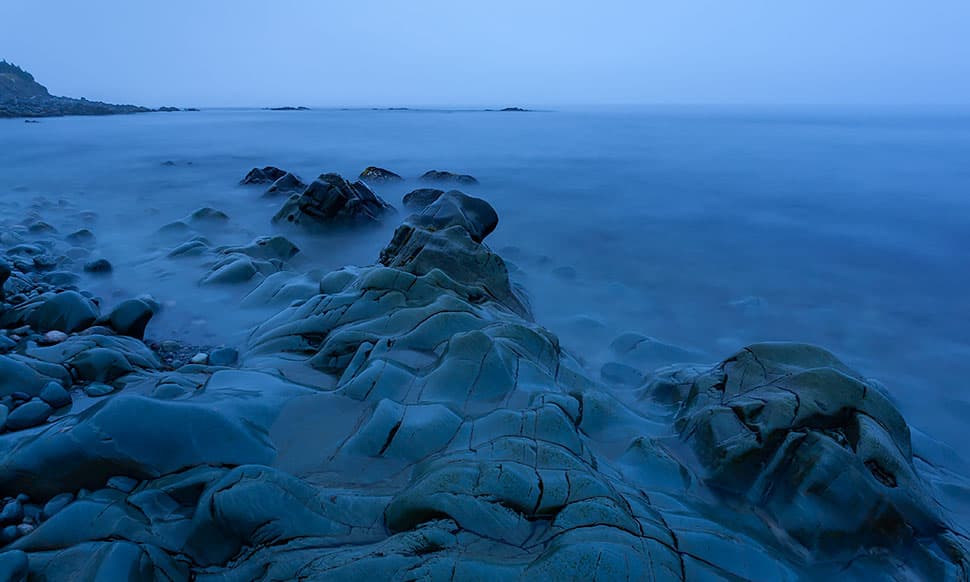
(410, 420)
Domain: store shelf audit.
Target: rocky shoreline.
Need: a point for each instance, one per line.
(410, 420)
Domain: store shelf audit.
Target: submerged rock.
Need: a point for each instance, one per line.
(376, 175)
(264, 175)
(442, 177)
(333, 201)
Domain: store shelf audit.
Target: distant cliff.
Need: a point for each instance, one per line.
(22, 96)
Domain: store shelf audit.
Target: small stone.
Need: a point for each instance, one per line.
(55, 395)
(29, 414)
(53, 337)
(98, 267)
(4, 412)
(97, 389)
(200, 358)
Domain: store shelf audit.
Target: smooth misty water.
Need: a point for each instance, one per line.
(701, 227)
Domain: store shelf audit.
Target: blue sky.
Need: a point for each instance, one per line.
(457, 52)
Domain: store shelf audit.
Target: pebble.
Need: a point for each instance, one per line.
(200, 358)
(53, 337)
(122, 483)
(98, 389)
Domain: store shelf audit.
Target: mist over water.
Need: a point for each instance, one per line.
(707, 228)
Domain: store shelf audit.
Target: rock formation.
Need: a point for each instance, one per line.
(22, 96)
(410, 420)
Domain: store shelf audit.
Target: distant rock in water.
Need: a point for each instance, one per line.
(377, 175)
(332, 200)
(22, 96)
(448, 177)
(420, 198)
(168, 109)
(513, 109)
(287, 108)
(265, 175)
(287, 184)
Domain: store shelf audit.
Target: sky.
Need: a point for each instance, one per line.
(494, 53)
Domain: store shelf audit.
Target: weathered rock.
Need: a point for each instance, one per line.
(14, 566)
(98, 267)
(55, 395)
(375, 175)
(223, 357)
(442, 177)
(286, 184)
(130, 317)
(68, 312)
(28, 415)
(418, 199)
(333, 201)
(264, 175)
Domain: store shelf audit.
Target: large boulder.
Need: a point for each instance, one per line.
(419, 198)
(793, 430)
(333, 201)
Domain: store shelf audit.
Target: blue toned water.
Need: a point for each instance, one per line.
(706, 228)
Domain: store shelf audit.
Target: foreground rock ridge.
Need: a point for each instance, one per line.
(22, 96)
(410, 420)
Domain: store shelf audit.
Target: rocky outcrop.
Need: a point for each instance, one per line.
(410, 420)
(22, 96)
(332, 201)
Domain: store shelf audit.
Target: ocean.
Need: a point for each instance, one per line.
(707, 228)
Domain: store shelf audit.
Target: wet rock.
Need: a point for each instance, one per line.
(4, 275)
(285, 185)
(223, 357)
(28, 415)
(200, 358)
(420, 198)
(233, 269)
(100, 365)
(67, 312)
(131, 317)
(98, 267)
(333, 201)
(4, 412)
(81, 237)
(207, 215)
(264, 175)
(267, 248)
(375, 175)
(442, 177)
(97, 389)
(794, 430)
(55, 395)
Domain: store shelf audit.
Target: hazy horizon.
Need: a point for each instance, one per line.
(379, 53)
